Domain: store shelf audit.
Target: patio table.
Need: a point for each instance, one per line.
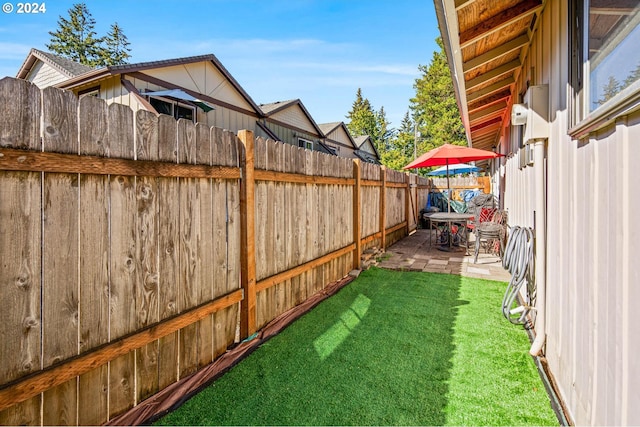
(448, 220)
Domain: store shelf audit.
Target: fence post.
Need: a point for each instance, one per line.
(247, 236)
(356, 214)
(407, 206)
(383, 208)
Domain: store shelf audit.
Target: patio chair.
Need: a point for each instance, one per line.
(491, 234)
(482, 206)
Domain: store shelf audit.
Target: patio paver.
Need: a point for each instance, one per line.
(415, 253)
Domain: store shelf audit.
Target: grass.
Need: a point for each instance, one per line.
(391, 348)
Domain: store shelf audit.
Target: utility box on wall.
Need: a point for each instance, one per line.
(533, 114)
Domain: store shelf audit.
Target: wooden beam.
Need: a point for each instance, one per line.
(491, 110)
(247, 236)
(485, 124)
(495, 98)
(495, 53)
(459, 4)
(492, 74)
(295, 178)
(36, 161)
(486, 91)
(499, 21)
(36, 383)
(298, 270)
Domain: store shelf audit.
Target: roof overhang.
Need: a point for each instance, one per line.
(485, 42)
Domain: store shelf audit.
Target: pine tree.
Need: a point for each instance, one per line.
(362, 119)
(435, 107)
(609, 90)
(399, 151)
(116, 49)
(75, 38)
(632, 77)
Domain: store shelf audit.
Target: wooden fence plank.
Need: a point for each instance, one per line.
(190, 250)
(20, 247)
(357, 217)
(60, 306)
(123, 256)
(147, 256)
(248, 260)
(169, 241)
(94, 260)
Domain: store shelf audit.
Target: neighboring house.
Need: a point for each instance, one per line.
(338, 139)
(366, 150)
(198, 88)
(291, 123)
(555, 86)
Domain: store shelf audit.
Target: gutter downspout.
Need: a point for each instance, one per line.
(540, 223)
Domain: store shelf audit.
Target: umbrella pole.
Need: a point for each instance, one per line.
(448, 190)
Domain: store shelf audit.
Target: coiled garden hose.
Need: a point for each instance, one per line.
(518, 260)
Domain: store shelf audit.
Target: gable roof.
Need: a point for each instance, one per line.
(328, 128)
(365, 155)
(65, 66)
(273, 108)
(114, 70)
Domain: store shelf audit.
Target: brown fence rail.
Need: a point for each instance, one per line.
(136, 249)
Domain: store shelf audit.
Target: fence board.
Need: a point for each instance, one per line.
(60, 307)
(147, 257)
(94, 259)
(20, 249)
(169, 241)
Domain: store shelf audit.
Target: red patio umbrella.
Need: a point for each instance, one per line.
(448, 154)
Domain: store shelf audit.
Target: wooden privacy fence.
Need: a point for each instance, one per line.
(136, 249)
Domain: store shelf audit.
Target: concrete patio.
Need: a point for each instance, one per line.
(415, 253)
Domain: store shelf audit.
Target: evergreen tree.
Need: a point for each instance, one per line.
(399, 151)
(362, 118)
(633, 77)
(116, 47)
(435, 107)
(75, 38)
(609, 90)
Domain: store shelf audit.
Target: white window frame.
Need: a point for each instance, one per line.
(305, 143)
(584, 118)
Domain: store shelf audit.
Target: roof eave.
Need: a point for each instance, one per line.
(448, 24)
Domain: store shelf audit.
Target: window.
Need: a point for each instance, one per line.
(93, 91)
(305, 143)
(605, 67)
(173, 108)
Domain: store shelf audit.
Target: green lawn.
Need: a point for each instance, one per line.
(391, 348)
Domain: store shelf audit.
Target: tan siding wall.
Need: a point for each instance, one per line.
(592, 238)
(43, 75)
(295, 117)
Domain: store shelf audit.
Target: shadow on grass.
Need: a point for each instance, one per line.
(377, 353)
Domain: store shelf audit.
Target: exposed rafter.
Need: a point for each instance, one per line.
(496, 53)
(486, 91)
(492, 74)
(490, 111)
(486, 124)
(499, 21)
(496, 97)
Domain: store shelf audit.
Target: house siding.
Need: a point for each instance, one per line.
(43, 75)
(591, 185)
(340, 139)
(294, 117)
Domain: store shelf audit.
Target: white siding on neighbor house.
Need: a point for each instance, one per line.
(43, 75)
(345, 146)
(593, 240)
(295, 117)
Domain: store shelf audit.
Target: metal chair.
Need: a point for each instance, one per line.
(491, 234)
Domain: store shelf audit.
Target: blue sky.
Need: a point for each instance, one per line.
(320, 51)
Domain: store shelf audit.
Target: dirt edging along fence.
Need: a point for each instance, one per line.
(134, 247)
